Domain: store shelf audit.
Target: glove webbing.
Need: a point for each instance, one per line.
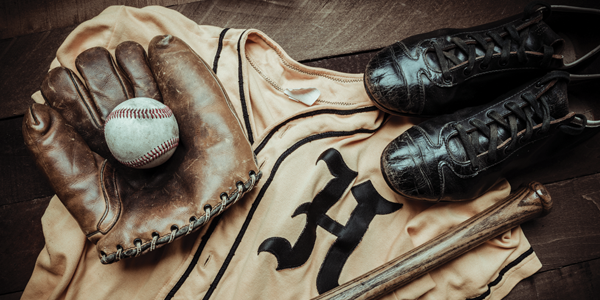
(195, 223)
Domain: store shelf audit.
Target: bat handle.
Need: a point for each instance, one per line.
(526, 203)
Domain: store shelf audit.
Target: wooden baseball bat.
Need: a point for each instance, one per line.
(528, 202)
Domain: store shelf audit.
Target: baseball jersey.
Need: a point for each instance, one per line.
(321, 215)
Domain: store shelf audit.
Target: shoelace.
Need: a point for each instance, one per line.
(489, 43)
(537, 108)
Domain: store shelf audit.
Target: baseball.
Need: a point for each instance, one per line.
(141, 133)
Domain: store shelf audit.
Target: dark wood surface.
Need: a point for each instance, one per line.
(24, 62)
(338, 35)
(23, 17)
(22, 240)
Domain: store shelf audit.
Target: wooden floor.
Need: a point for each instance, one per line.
(330, 34)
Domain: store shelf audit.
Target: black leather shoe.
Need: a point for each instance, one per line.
(442, 71)
(460, 156)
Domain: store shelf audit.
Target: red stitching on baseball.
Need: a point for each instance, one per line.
(153, 154)
(141, 113)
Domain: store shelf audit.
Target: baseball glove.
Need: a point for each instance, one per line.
(127, 212)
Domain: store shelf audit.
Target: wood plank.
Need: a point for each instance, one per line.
(317, 29)
(570, 234)
(23, 64)
(30, 16)
(323, 24)
(22, 242)
(352, 63)
(5, 45)
(307, 29)
(580, 161)
(579, 281)
(11, 296)
(20, 180)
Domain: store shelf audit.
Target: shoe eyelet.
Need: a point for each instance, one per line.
(538, 84)
(503, 64)
(483, 67)
(466, 71)
(475, 168)
(509, 103)
(448, 80)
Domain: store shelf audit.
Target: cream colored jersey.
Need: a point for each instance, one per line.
(321, 215)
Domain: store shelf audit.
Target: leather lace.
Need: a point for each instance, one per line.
(488, 42)
(537, 109)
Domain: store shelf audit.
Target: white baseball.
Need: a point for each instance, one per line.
(141, 133)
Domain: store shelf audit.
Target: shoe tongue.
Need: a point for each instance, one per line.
(541, 34)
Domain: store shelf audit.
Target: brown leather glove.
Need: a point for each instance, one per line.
(127, 212)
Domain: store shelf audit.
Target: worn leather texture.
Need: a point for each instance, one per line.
(128, 212)
(409, 78)
(430, 161)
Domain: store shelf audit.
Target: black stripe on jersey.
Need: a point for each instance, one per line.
(186, 274)
(263, 190)
(310, 114)
(502, 272)
(242, 95)
(219, 49)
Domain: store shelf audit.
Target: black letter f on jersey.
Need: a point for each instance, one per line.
(370, 204)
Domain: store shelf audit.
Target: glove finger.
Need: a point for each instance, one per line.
(107, 85)
(70, 166)
(188, 86)
(65, 92)
(131, 57)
